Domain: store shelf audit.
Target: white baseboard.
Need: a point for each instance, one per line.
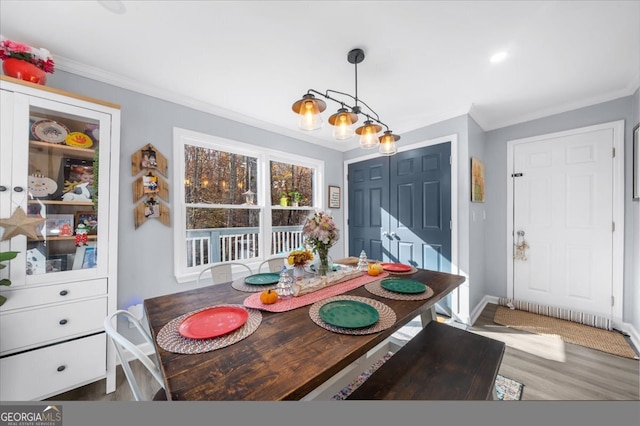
(480, 307)
(633, 335)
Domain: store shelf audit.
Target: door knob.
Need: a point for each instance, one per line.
(385, 234)
(392, 235)
(520, 233)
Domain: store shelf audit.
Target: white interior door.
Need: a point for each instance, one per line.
(563, 202)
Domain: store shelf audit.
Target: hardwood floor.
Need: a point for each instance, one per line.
(549, 369)
(553, 370)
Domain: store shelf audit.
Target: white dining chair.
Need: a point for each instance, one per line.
(223, 272)
(275, 264)
(121, 343)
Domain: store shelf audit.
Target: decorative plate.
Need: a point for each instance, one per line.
(213, 322)
(50, 131)
(263, 279)
(403, 285)
(349, 314)
(396, 267)
(78, 139)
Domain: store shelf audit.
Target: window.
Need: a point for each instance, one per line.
(238, 202)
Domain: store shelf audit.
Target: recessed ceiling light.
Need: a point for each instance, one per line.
(498, 57)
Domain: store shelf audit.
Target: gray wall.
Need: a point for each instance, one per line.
(145, 255)
(145, 260)
(633, 222)
(477, 228)
(496, 179)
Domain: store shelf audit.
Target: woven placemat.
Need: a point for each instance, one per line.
(240, 285)
(411, 272)
(283, 305)
(591, 337)
(171, 340)
(376, 288)
(386, 320)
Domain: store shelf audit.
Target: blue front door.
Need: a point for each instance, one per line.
(400, 207)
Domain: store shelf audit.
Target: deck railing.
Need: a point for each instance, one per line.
(214, 245)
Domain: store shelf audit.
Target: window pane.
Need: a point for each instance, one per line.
(287, 230)
(221, 235)
(218, 177)
(288, 179)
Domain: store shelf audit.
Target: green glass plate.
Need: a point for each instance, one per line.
(403, 285)
(333, 268)
(262, 279)
(348, 314)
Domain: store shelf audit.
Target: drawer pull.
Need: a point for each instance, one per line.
(61, 368)
(18, 189)
(64, 293)
(3, 188)
(63, 321)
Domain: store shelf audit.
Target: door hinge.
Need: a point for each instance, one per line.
(450, 224)
(613, 227)
(612, 301)
(449, 160)
(614, 152)
(516, 175)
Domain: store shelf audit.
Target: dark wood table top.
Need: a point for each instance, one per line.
(287, 357)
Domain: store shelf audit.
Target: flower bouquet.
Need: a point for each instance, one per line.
(25, 62)
(321, 233)
(299, 258)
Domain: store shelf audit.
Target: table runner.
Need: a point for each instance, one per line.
(376, 288)
(387, 316)
(171, 340)
(283, 305)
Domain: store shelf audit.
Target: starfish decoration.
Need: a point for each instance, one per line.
(20, 224)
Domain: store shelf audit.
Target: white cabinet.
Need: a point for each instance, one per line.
(59, 157)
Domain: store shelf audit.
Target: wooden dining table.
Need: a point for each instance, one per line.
(286, 357)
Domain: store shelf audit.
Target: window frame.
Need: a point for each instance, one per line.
(264, 156)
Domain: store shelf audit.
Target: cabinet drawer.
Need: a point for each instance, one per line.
(46, 372)
(34, 327)
(35, 296)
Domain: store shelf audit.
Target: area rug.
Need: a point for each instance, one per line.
(591, 337)
(506, 389)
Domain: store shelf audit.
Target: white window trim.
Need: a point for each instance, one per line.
(263, 201)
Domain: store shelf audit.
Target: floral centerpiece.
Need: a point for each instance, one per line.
(321, 233)
(299, 258)
(16, 55)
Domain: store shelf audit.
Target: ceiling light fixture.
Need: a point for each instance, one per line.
(309, 108)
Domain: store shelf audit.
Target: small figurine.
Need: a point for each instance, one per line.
(81, 234)
(65, 230)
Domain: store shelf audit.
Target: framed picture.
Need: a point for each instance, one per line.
(86, 257)
(477, 180)
(334, 197)
(90, 219)
(57, 262)
(58, 225)
(150, 184)
(636, 163)
(76, 180)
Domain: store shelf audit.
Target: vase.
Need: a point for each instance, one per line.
(24, 70)
(299, 272)
(323, 261)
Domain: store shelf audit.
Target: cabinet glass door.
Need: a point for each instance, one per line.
(58, 169)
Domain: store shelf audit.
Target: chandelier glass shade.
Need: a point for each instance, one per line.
(309, 108)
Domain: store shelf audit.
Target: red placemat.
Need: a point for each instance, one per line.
(283, 305)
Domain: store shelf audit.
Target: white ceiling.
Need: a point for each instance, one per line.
(426, 61)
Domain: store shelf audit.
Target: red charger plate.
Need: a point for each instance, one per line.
(396, 267)
(213, 322)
